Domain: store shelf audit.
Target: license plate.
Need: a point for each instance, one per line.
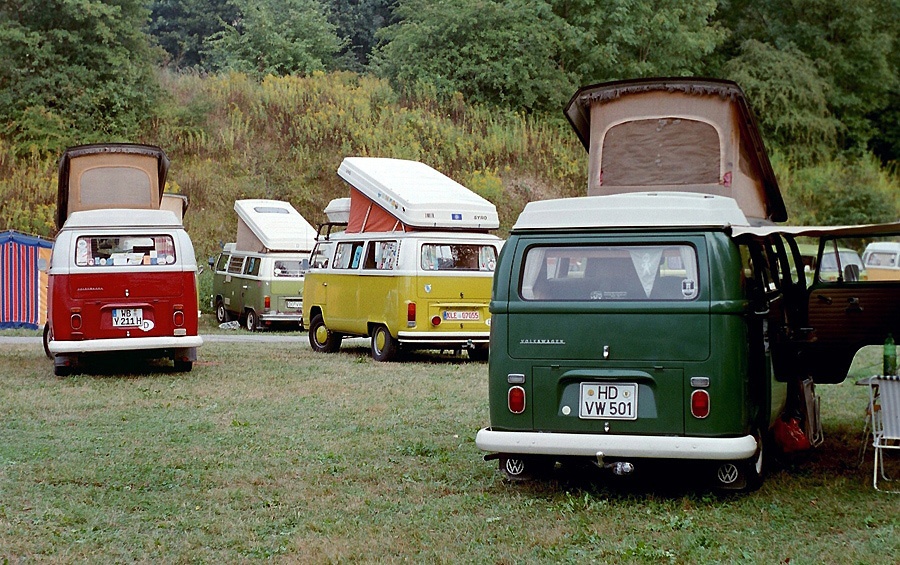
(608, 401)
(127, 317)
(463, 315)
(293, 304)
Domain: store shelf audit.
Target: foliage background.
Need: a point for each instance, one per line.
(263, 99)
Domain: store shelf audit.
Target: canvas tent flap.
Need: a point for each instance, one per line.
(272, 225)
(761, 232)
(396, 194)
(678, 134)
(112, 175)
(24, 260)
(175, 203)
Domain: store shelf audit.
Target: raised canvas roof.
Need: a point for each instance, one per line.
(110, 175)
(676, 134)
(414, 194)
(641, 210)
(272, 225)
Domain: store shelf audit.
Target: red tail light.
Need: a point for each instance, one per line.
(76, 321)
(178, 318)
(700, 404)
(436, 321)
(268, 302)
(411, 314)
(515, 399)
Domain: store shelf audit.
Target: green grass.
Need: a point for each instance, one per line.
(272, 451)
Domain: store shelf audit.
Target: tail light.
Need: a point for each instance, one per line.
(700, 404)
(436, 321)
(178, 318)
(515, 399)
(411, 315)
(267, 301)
(76, 321)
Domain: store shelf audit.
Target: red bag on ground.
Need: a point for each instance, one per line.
(789, 435)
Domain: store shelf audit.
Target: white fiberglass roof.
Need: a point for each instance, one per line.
(637, 209)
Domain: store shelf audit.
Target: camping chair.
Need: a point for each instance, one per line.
(884, 391)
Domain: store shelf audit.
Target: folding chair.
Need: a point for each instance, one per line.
(884, 391)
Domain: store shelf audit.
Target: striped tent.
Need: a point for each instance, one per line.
(24, 260)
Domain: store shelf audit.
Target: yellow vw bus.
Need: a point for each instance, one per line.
(413, 269)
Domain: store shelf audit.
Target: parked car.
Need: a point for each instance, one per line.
(882, 260)
(665, 316)
(842, 264)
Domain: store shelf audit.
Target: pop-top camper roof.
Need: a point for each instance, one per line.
(400, 195)
(110, 175)
(272, 225)
(679, 134)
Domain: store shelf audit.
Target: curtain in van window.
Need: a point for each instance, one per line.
(646, 263)
(534, 262)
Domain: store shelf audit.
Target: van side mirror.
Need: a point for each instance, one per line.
(851, 273)
(304, 265)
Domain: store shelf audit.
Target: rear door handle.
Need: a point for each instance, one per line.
(825, 299)
(853, 305)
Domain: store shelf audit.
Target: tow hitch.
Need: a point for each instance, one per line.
(618, 468)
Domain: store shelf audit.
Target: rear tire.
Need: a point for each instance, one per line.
(384, 346)
(322, 339)
(744, 476)
(61, 370)
(479, 353)
(48, 336)
(251, 321)
(222, 315)
(183, 366)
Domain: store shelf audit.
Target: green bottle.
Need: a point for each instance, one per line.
(890, 356)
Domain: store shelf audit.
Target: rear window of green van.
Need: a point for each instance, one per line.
(611, 272)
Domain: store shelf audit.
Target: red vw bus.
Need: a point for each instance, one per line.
(123, 275)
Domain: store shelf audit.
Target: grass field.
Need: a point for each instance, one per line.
(274, 452)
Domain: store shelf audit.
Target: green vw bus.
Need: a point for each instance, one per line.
(665, 316)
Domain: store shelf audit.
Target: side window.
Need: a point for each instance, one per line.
(321, 255)
(235, 264)
(222, 262)
(382, 255)
(252, 266)
(458, 257)
(348, 255)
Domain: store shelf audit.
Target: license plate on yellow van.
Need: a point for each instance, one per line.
(608, 401)
(462, 315)
(127, 317)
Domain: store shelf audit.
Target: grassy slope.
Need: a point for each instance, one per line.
(275, 451)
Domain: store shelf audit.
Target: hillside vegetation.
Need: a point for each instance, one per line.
(230, 137)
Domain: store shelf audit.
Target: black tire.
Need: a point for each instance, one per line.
(47, 338)
(322, 339)
(479, 353)
(62, 370)
(251, 320)
(183, 366)
(384, 346)
(222, 314)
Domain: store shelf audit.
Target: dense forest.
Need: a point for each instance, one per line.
(263, 98)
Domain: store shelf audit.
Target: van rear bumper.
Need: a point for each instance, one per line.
(124, 344)
(445, 338)
(633, 446)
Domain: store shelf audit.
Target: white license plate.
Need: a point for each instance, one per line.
(293, 304)
(127, 317)
(608, 401)
(464, 315)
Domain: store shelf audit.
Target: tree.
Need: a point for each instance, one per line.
(74, 69)
(851, 45)
(277, 37)
(789, 97)
(181, 26)
(639, 38)
(507, 53)
(358, 21)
